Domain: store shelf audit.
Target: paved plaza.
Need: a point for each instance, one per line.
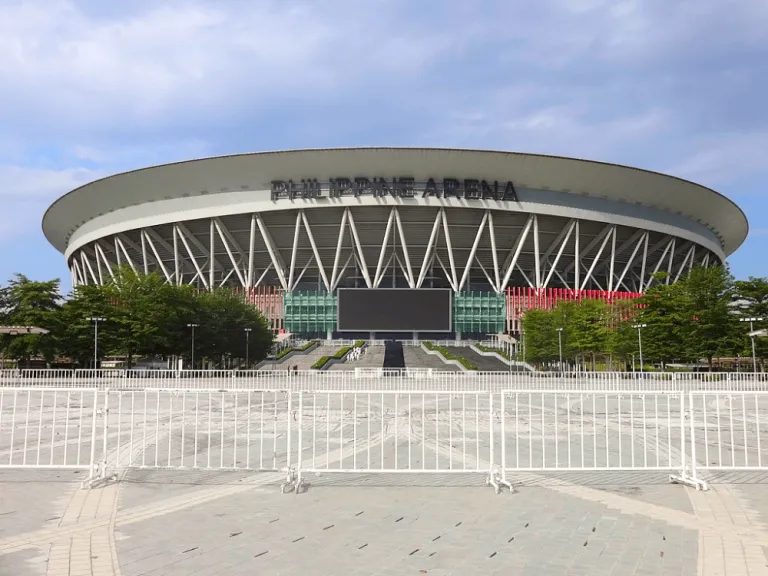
(204, 523)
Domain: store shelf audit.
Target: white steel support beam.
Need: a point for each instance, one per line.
(100, 252)
(449, 246)
(693, 259)
(536, 253)
(294, 250)
(685, 262)
(404, 246)
(359, 247)
(343, 269)
(576, 258)
(643, 239)
(669, 264)
(448, 276)
(611, 232)
(87, 266)
(515, 253)
(182, 236)
(496, 284)
(277, 261)
(429, 253)
(152, 247)
(382, 252)
(473, 250)
(224, 241)
(144, 258)
(594, 242)
(645, 261)
(119, 239)
(658, 264)
(231, 239)
(78, 273)
(251, 252)
(705, 260)
(613, 260)
(337, 255)
(263, 274)
(315, 251)
(563, 239)
(211, 251)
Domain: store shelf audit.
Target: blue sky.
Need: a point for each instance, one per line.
(89, 88)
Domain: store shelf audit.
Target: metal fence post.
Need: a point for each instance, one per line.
(103, 475)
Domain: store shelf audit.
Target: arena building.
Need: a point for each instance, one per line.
(500, 231)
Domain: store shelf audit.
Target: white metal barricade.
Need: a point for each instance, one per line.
(223, 430)
(595, 430)
(50, 428)
(730, 430)
(378, 432)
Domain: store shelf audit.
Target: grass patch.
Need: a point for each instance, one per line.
(448, 356)
(498, 351)
(285, 351)
(338, 355)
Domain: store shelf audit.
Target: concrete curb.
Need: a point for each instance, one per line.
(515, 363)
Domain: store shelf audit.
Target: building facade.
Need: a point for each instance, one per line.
(290, 228)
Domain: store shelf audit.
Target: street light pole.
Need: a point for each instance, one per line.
(95, 320)
(560, 346)
(639, 327)
(247, 346)
(193, 326)
(751, 336)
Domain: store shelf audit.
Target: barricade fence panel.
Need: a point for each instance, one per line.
(385, 431)
(592, 430)
(225, 430)
(730, 430)
(49, 427)
(380, 379)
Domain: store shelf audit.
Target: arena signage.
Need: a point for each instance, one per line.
(469, 189)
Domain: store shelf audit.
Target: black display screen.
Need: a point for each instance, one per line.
(394, 310)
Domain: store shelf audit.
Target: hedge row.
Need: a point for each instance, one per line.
(499, 351)
(338, 355)
(285, 351)
(448, 356)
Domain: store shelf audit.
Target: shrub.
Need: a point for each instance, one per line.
(448, 356)
(285, 351)
(498, 351)
(338, 355)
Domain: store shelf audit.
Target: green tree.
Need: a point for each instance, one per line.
(75, 333)
(666, 313)
(750, 299)
(30, 303)
(540, 336)
(709, 293)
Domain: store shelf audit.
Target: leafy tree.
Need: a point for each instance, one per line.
(30, 303)
(666, 313)
(750, 299)
(709, 292)
(75, 334)
(540, 336)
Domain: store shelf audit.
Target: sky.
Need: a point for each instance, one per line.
(89, 88)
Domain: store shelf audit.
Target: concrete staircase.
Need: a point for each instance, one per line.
(373, 357)
(483, 363)
(303, 361)
(415, 357)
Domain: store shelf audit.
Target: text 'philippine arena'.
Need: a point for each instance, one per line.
(470, 238)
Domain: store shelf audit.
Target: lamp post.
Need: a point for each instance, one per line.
(95, 320)
(639, 327)
(193, 326)
(247, 346)
(560, 346)
(752, 337)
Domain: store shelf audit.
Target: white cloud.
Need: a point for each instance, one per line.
(725, 158)
(22, 183)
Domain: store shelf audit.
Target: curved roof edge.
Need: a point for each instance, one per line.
(655, 173)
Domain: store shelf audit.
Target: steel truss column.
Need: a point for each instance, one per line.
(315, 251)
(473, 250)
(430, 251)
(643, 240)
(177, 231)
(669, 240)
(277, 261)
(688, 256)
(378, 276)
(359, 247)
(536, 255)
(146, 236)
(562, 238)
(408, 272)
(294, 251)
(611, 232)
(514, 254)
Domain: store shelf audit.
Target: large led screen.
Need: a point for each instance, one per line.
(394, 310)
